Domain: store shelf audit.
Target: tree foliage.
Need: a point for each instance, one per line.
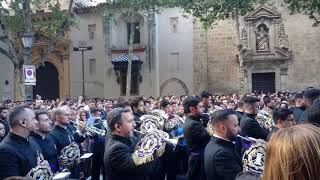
(32, 16)
(308, 7)
(209, 12)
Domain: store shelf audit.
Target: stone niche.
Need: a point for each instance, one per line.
(266, 47)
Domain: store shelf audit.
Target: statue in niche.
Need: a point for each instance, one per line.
(262, 38)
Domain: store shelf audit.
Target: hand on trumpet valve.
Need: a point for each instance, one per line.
(82, 126)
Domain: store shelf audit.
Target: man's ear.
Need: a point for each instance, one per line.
(22, 122)
(191, 109)
(117, 126)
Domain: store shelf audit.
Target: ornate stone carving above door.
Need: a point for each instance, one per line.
(265, 45)
(264, 36)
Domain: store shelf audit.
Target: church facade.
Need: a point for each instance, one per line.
(174, 55)
(281, 53)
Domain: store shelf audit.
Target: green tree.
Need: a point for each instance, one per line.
(308, 7)
(209, 12)
(131, 9)
(16, 17)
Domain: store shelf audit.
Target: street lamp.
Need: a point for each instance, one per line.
(27, 40)
(82, 49)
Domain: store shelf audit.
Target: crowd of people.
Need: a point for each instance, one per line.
(212, 140)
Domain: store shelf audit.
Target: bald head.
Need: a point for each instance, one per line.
(61, 115)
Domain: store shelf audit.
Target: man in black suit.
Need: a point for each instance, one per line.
(18, 154)
(63, 136)
(40, 135)
(221, 160)
(248, 124)
(309, 97)
(299, 107)
(282, 118)
(118, 160)
(196, 136)
(137, 106)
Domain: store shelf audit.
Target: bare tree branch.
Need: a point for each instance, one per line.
(53, 43)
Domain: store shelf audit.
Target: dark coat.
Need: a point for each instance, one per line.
(298, 115)
(239, 115)
(63, 137)
(136, 118)
(118, 161)
(222, 162)
(49, 150)
(197, 137)
(250, 127)
(18, 156)
(273, 130)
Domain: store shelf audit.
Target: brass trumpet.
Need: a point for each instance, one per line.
(90, 129)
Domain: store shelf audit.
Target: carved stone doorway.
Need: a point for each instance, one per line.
(263, 82)
(47, 82)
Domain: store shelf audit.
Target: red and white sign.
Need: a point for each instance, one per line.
(29, 75)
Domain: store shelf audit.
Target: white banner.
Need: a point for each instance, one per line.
(29, 75)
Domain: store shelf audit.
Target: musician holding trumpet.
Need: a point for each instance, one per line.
(118, 159)
(221, 158)
(66, 141)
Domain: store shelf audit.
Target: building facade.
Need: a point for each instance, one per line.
(162, 55)
(280, 53)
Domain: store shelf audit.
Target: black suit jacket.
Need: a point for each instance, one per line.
(118, 161)
(250, 127)
(197, 137)
(17, 156)
(297, 115)
(222, 162)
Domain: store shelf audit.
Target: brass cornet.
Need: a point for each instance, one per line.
(90, 129)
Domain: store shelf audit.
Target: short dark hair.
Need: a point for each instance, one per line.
(298, 96)
(135, 102)
(190, 101)
(267, 100)
(40, 112)
(164, 103)
(281, 113)
(123, 104)
(250, 100)
(115, 117)
(3, 108)
(312, 94)
(15, 114)
(95, 110)
(313, 113)
(240, 104)
(205, 94)
(248, 176)
(221, 115)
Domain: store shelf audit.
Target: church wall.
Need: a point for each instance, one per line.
(6, 74)
(175, 50)
(304, 40)
(94, 83)
(214, 58)
(223, 70)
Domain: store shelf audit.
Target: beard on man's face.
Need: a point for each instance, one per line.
(231, 136)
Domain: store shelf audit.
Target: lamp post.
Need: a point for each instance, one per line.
(27, 40)
(82, 49)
